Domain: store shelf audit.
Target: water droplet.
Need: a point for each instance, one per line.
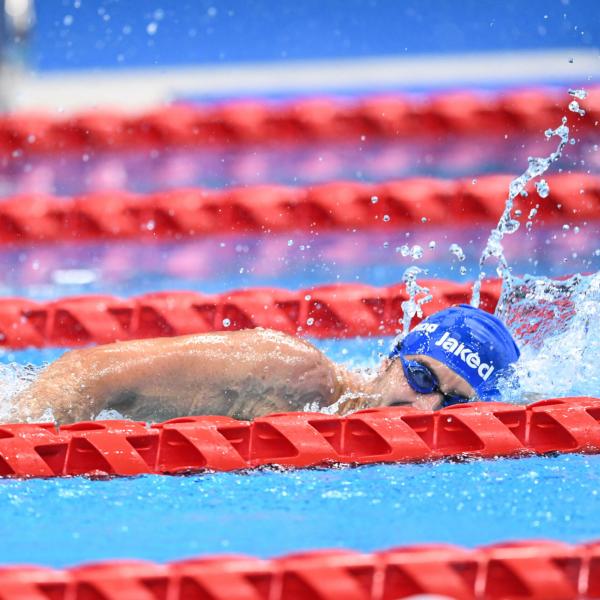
(423, 219)
(416, 252)
(151, 225)
(307, 297)
(151, 28)
(386, 218)
(566, 227)
(432, 245)
(413, 306)
(457, 251)
(463, 270)
(574, 107)
(226, 322)
(68, 20)
(542, 188)
(374, 199)
(580, 94)
(310, 321)
(290, 242)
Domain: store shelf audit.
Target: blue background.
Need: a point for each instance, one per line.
(84, 34)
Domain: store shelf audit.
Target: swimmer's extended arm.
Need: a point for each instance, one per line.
(242, 374)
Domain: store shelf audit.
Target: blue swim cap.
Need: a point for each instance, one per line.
(472, 342)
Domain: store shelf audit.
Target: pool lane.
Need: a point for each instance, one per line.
(62, 522)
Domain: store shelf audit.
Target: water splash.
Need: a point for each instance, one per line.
(417, 296)
(507, 225)
(555, 323)
(15, 378)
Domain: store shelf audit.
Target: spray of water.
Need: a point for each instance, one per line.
(417, 296)
(507, 225)
(555, 323)
(15, 378)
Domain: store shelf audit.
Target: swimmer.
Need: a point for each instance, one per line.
(457, 355)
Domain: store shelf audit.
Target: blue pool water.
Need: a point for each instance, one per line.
(63, 522)
(293, 261)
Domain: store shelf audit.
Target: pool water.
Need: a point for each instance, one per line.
(62, 522)
(293, 261)
(67, 521)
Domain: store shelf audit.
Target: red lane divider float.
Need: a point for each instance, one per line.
(301, 121)
(537, 570)
(340, 310)
(343, 206)
(375, 435)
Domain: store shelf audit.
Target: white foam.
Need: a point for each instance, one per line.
(14, 378)
(557, 326)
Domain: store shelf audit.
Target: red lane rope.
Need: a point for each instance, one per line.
(300, 439)
(537, 570)
(341, 206)
(340, 310)
(307, 120)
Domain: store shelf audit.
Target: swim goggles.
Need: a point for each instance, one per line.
(424, 381)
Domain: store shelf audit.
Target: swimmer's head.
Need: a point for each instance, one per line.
(474, 344)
